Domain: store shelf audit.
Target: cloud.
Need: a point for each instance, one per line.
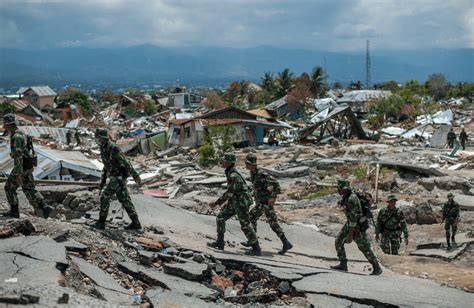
(326, 24)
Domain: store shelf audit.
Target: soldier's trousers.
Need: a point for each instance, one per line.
(390, 242)
(451, 225)
(272, 218)
(116, 186)
(360, 238)
(242, 213)
(33, 196)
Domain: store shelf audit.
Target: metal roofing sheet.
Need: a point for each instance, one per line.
(39, 90)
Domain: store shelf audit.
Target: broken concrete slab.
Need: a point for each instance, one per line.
(72, 245)
(324, 301)
(37, 247)
(295, 172)
(416, 292)
(213, 181)
(441, 252)
(461, 238)
(190, 270)
(169, 282)
(57, 194)
(465, 202)
(25, 269)
(448, 183)
(166, 299)
(110, 289)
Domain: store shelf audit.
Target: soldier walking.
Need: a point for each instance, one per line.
(117, 168)
(463, 139)
(239, 199)
(351, 231)
(69, 134)
(265, 190)
(22, 173)
(451, 216)
(451, 138)
(391, 223)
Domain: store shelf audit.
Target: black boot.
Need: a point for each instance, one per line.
(13, 212)
(246, 244)
(47, 210)
(447, 241)
(376, 269)
(342, 266)
(134, 225)
(219, 243)
(453, 240)
(286, 246)
(256, 250)
(100, 224)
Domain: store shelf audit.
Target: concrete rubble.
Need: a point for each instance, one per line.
(168, 263)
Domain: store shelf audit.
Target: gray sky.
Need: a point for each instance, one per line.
(337, 25)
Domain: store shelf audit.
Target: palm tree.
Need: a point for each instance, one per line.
(317, 81)
(285, 82)
(268, 84)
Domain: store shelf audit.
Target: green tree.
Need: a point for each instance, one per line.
(391, 85)
(75, 96)
(221, 137)
(268, 83)
(415, 87)
(150, 107)
(317, 85)
(437, 85)
(7, 107)
(213, 101)
(284, 82)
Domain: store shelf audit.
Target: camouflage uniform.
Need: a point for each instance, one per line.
(69, 136)
(451, 216)
(117, 168)
(391, 223)
(238, 199)
(18, 151)
(265, 188)
(463, 139)
(353, 211)
(451, 138)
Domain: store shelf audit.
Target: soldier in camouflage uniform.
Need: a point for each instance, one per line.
(22, 173)
(239, 199)
(265, 191)
(351, 231)
(391, 223)
(117, 168)
(451, 216)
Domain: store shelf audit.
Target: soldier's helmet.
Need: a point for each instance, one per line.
(343, 184)
(9, 118)
(229, 158)
(251, 159)
(450, 195)
(392, 198)
(101, 133)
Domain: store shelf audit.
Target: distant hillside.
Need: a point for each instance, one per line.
(150, 64)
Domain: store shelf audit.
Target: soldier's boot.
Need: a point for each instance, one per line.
(47, 209)
(286, 245)
(447, 241)
(256, 250)
(453, 240)
(376, 269)
(100, 224)
(246, 244)
(342, 266)
(14, 212)
(134, 225)
(219, 243)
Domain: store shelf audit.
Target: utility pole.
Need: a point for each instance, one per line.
(367, 67)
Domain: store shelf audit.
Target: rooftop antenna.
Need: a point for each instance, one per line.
(367, 67)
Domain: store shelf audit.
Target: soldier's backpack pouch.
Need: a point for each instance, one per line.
(363, 224)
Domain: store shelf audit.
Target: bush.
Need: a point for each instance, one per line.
(150, 107)
(360, 172)
(6, 107)
(207, 155)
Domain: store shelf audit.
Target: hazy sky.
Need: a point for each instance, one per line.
(312, 24)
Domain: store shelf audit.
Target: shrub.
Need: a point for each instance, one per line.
(207, 155)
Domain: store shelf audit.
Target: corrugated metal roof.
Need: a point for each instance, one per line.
(19, 104)
(260, 112)
(361, 96)
(36, 131)
(277, 104)
(39, 90)
(50, 160)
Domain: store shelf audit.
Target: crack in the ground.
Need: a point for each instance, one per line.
(19, 268)
(21, 253)
(362, 301)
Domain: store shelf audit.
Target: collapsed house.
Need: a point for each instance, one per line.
(358, 99)
(340, 123)
(250, 128)
(56, 165)
(281, 109)
(42, 97)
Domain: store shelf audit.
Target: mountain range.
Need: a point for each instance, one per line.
(149, 64)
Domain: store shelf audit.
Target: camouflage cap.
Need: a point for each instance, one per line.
(229, 158)
(343, 184)
(450, 195)
(392, 198)
(9, 118)
(101, 133)
(251, 159)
